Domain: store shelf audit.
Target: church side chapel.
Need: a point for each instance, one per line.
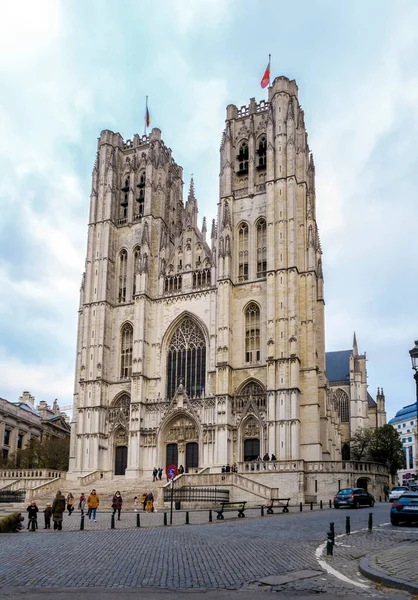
(206, 346)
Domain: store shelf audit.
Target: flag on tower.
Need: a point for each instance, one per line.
(266, 77)
(147, 117)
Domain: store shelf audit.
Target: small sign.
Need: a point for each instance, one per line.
(171, 471)
(407, 476)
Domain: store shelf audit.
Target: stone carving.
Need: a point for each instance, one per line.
(252, 429)
(182, 430)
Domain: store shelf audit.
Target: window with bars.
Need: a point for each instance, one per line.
(201, 278)
(135, 267)
(186, 360)
(343, 404)
(261, 248)
(243, 252)
(252, 333)
(242, 158)
(123, 266)
(126, 351)
(262, 153)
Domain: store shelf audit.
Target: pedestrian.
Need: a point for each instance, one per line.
(266, 457)
(93, 502)
(160, 473)
(58, 507)
(47, 516)
(181, 470)
(227, 468)
(154, 474)
(82, 503)
(149, 502)
(136, 504)
(386, 491)
(144, 499)
(32, 516)
(70, 503)
(117, 504)
(273, 457)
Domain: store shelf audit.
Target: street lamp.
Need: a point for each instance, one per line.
(414, 359)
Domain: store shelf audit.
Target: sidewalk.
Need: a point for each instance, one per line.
(396, 567)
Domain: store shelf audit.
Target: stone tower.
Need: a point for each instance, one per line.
(270, 309)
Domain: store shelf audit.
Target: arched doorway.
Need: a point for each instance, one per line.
(121, 460)
(345, 452)
(192, 456)
(363, 482)
(251, 449)
(171, 455)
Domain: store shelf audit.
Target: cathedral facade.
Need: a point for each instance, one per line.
(202, 347)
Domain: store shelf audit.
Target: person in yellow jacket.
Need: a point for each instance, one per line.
(93, 502)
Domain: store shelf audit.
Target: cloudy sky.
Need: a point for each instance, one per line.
(70, 69)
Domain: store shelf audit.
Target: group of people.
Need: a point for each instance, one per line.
(147, 501)
(229, 468)
(157, 474)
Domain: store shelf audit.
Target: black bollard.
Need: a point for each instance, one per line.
(210, 516)
(82, 523)
(112, 521)
(330, 503)
(330, 545)
(320, 504)
(300, 506)
(380, 498)
(165, 518)
(262, 510)
(311, 505)
(187, 518)
(370, 524)
(347, 526)
(332, 530)
(138, 522)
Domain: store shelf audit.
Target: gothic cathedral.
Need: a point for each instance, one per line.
(204, 349)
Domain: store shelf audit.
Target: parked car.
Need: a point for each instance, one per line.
(397, 492)
(405, 509)
(353, 497)
(413, 488)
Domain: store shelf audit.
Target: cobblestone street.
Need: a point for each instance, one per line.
(234, 554)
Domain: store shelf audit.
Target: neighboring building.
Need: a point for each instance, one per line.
(405, 423)
(20, 423)
(205, 351)
(347, 378)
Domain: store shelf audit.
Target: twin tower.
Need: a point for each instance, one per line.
(200, 347)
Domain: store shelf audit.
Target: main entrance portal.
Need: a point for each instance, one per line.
(251, 449)
(121, 460)
(172, 455)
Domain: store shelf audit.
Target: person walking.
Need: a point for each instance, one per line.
(136, 503)
(149, 502)
(82, 503)
(58, 507)
(154, 474)
(386, 492)
(93, 502)
(32, 516)
(144, 500)
(160, 473)
(70, 503)
(117, 504)
(47, 516)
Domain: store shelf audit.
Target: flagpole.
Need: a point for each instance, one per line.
(269, 72)
(146, 112)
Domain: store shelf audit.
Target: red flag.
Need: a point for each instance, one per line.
(266, 77)
(147, 117)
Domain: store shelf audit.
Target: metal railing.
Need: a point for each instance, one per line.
(197, 494)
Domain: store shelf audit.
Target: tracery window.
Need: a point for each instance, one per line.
(262, 152)
(252, 333)
(243, 158)
(123, 214)
(252, 389)
(135, 267)
(119, 411)
(243, 252)
(173, 283)
(201, 278)
(123, 266)
(261, 248)
(186, 359)
(343, 405)
(126, 351)
(141, 196)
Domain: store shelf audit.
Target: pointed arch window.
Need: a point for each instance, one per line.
(141, 196)
(186, 360)
(123, 266)
(343, 405)
(252, 333)
(262, 152)
(242, 158)
(261, 248)
(123, 214)
(136, 267)
(126, 351)
(243, 252)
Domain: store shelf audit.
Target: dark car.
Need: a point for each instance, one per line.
(353, 498)
(405, 509)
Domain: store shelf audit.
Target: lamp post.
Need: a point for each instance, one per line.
(414, 359)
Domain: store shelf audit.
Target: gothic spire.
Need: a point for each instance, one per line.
(355, 348)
